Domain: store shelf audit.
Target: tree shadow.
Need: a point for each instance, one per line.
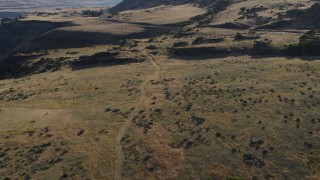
(58, 39)
(103, 59)
(209, 53)
(305, 58)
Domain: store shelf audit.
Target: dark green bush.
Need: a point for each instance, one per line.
(293, 50)
(309, 44)
(296, 12)
(238, 36)
(92, 13)
(243, 9)
(235, 178)
(310, 47)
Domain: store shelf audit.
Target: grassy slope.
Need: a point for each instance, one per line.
(166, 118)
(65, 102)
(69, 101)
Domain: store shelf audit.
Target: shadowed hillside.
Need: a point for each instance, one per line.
(142, 4)
(14, 35)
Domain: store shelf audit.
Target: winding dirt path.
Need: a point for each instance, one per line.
(142, 104)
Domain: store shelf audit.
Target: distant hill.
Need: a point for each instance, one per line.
(25, 5)
(143, 4)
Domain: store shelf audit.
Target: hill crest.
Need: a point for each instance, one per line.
(143, 4)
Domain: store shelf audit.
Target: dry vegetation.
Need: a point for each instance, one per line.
(151, 95)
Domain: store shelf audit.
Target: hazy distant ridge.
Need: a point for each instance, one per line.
(9, 5)
(141, 4)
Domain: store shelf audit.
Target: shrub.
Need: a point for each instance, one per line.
(309, 44)
(81, 132)
(235, 178)
(296, 12)
(310, 47)
(293, 50)
(238, 36)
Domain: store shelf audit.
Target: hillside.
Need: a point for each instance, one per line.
(225, 90)
(142, 4)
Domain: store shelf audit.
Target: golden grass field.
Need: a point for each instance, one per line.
(241, 98)
(235, 116)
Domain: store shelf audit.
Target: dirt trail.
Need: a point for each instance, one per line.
(142, 104)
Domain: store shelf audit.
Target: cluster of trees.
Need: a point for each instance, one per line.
(309, 44)
(92, 13)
